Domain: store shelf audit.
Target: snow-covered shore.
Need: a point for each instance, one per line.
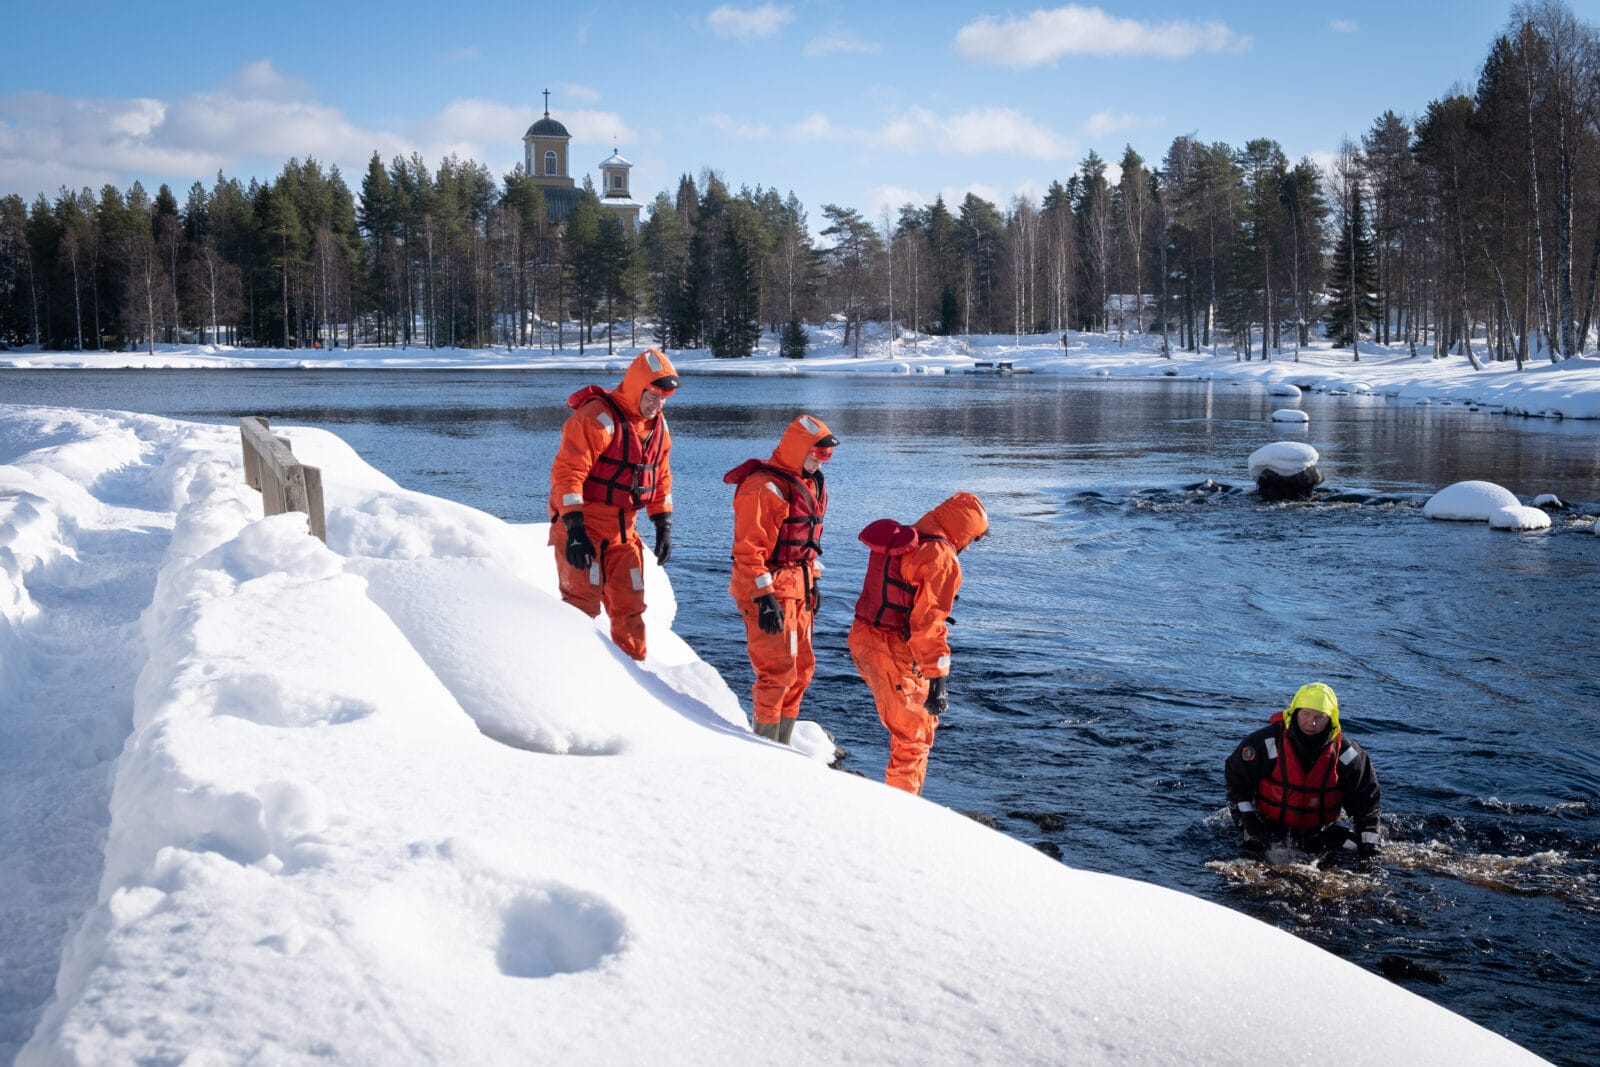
(388, 800)
(1570, 389)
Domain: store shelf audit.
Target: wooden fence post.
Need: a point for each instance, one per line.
(285, 485)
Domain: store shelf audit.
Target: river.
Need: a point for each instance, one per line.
(1120, 631)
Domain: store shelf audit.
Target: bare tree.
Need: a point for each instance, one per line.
(1560, 59)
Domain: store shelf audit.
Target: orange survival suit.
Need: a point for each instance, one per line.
(612, 462)
(899, 637)
(778, 513)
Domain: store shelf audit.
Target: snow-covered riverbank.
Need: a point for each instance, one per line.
(388, 800)
(1570, 389)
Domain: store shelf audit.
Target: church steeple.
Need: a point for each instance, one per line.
(614, 193)
(545, 151)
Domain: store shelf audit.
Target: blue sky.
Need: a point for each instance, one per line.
(865, 105)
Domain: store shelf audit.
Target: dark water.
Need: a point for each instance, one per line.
(1118, 633)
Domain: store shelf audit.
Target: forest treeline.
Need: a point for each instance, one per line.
(1472, 227)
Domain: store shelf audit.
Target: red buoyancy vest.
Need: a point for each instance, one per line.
(625, 474)
(1305, 798)
(800, 532)
(886, 598)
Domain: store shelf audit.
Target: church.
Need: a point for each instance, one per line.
(545, 158)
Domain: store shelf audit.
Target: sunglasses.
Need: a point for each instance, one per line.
(822, 455)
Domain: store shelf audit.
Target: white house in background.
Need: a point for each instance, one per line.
(545, 159)
(1131, 312)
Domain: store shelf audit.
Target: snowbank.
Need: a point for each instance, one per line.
(1569, 389)
(1519, 517)
(1472, 501)
(389, 801)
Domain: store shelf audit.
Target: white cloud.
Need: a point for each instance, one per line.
(1104, 123)
(749, 23)
(894, 197)
(259, 79)
(468, 54)
(1343, 25)
(977, 131)
(582, 93)
(955, 194)
(1046, 36)
(750, 131)
(1031, 191)
(245, 128)
(828, 44)
(1324, 159)
(816, 127)
(974, 132)
(491, 123)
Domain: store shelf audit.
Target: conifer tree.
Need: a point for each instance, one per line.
(794, 340)
(583, 262)
(737, 325)
(666, 254)
(1353, 304)
(855, 245)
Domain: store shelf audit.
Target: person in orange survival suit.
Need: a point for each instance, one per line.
(899, 637)
(613, 460)
(778, 511)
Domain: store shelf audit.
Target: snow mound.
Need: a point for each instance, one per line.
(1518, 517)
(1283, 389)
(1290, 415)
(1548, 500)
(1469, 502)
(1287, 458)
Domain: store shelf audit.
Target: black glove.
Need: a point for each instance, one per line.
(580, 550)
(1255, 833)
(938, 701)
(816, 597)
(771, 618)
(663, 523)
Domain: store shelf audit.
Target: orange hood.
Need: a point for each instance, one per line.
(961, 519)
(649, 366)
(802, 434)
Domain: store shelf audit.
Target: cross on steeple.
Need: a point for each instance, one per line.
(547, 103)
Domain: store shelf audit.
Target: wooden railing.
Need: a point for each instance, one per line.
(285, 485)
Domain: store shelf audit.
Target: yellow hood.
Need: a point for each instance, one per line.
(1317, 697)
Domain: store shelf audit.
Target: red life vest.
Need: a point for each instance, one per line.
(624, 476)
(886, 598)
(1305, 798)
(800, 532)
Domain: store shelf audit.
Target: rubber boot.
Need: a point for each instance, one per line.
(769, 730)
(785, 730)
